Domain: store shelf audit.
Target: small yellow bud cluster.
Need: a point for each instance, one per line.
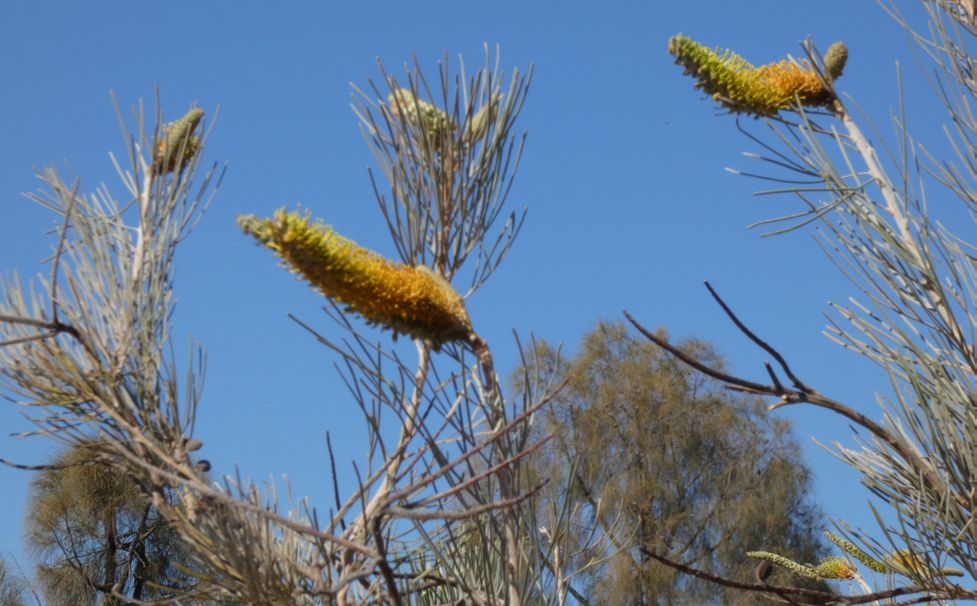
(835, 568)
(741, 87)
(411, 300)
(178, 145)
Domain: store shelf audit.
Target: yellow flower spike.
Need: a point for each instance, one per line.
(835, 59)
(835, 568)
(411, 300)
(905, 563)
(856, 552)
(178, 136)
(741, 87)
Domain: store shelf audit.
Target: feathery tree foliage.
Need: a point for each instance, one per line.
(877, 211)
(685, 468)
(95, 535)
(11, 587)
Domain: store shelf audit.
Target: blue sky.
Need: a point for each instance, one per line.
(629, 205)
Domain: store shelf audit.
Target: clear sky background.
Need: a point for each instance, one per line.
(629, 205)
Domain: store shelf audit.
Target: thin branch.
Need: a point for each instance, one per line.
(810, 396)
(384, 565)
(822, 597)
(59, 250)
(760, 342)
(466, 514)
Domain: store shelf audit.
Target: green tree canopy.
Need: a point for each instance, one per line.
(677, 464)
(93, 532)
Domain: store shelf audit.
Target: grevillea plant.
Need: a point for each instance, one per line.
(914, 316)
(440, 513)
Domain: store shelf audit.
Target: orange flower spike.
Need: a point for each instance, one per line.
(741, 87)
(410, 300)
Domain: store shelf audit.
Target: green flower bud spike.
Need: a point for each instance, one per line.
(835, 59)
(178, 145)
(856, 552)
(740, 87)
(480, 121)
(411, 300)
(786, 563)
(435, 123)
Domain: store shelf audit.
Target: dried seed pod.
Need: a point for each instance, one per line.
(762, 571)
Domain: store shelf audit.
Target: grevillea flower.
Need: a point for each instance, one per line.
(836, 567)
(856, 552)
(741, 87)
(176, 137)
(411, 300)
(830, 568)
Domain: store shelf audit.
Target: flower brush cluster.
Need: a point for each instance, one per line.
(410, 300)
(764, 90)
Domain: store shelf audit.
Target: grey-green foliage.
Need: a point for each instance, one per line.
(93, 533)
(685, 468)
(12, 587)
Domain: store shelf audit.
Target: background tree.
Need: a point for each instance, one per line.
(96, 537)
(12, 588)
(676, 463)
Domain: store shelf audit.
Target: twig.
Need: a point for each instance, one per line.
(385, 570)
(465, 514)
(59, 250)
(760, 342)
